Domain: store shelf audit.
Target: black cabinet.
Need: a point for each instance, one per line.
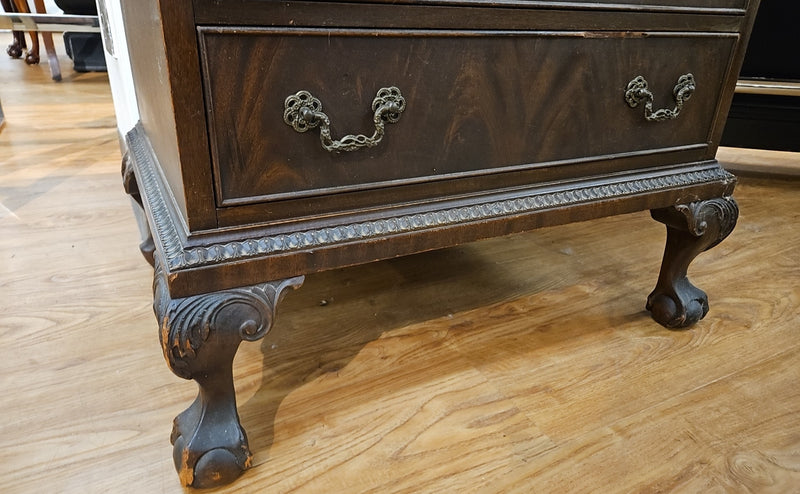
(765, 112)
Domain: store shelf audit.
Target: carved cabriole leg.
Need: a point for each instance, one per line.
(147, 247)
(199, 337)
(691, 229)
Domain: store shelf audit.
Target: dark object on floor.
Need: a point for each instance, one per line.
(85, 49)
(77, 7)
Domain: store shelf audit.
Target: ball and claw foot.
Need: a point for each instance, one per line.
(678, 309)
(14, 50)
(32, 58)
(209, 453)
(199, 336)
(691, 229)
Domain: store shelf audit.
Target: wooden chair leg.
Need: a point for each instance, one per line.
(32, 58)
(18, 45)
(49, 47)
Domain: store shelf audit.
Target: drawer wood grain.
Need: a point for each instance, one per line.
(479, 104)
(669, 15)
(581, 4)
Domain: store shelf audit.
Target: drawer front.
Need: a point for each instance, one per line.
(477, 104)
(616, 4)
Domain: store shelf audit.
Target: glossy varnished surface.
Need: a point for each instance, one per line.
(498, 115)
(477, 103)
(171, 98)
(475, 14)
(521, 364)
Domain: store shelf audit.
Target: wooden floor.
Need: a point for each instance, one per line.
(522, 364)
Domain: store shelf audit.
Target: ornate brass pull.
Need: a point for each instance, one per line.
(637, 92)
(303, 111)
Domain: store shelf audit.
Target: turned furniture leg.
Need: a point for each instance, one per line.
(691, 229)
(199, 337)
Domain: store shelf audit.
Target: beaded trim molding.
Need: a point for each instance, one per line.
(177, 257)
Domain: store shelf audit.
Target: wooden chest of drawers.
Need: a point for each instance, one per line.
(283, 138)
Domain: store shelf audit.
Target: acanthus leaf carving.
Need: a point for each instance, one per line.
(691, 229)
(186, 324)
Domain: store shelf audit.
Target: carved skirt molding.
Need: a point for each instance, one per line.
(201, 331)
(183, 258)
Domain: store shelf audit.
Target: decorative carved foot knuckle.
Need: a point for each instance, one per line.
(691, 229)
(199, 337)
(14, 50)
(209, 455)
(680, 309)
(219, 467)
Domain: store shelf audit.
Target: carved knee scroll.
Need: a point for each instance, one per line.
(691, 229)
(199, 337)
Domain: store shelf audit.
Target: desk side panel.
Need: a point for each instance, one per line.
(166, 74)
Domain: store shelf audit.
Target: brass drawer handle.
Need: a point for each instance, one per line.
(637, 92)
(303, 111)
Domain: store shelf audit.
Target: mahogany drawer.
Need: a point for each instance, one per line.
(584, 4)
(472, 14)
(481, 107)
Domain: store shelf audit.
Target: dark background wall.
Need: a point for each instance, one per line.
(761, 120)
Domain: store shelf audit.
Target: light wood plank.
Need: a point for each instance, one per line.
(760, 161)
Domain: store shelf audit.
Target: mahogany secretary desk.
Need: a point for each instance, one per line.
(280, 138)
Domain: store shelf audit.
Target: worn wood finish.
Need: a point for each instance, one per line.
(640, 5)
(691, 229)
(488, 102)
(487, 109)
(477, 15)
(683, 5)
(174, 130)
(519, 364)
(199, 336)
(729, 85)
